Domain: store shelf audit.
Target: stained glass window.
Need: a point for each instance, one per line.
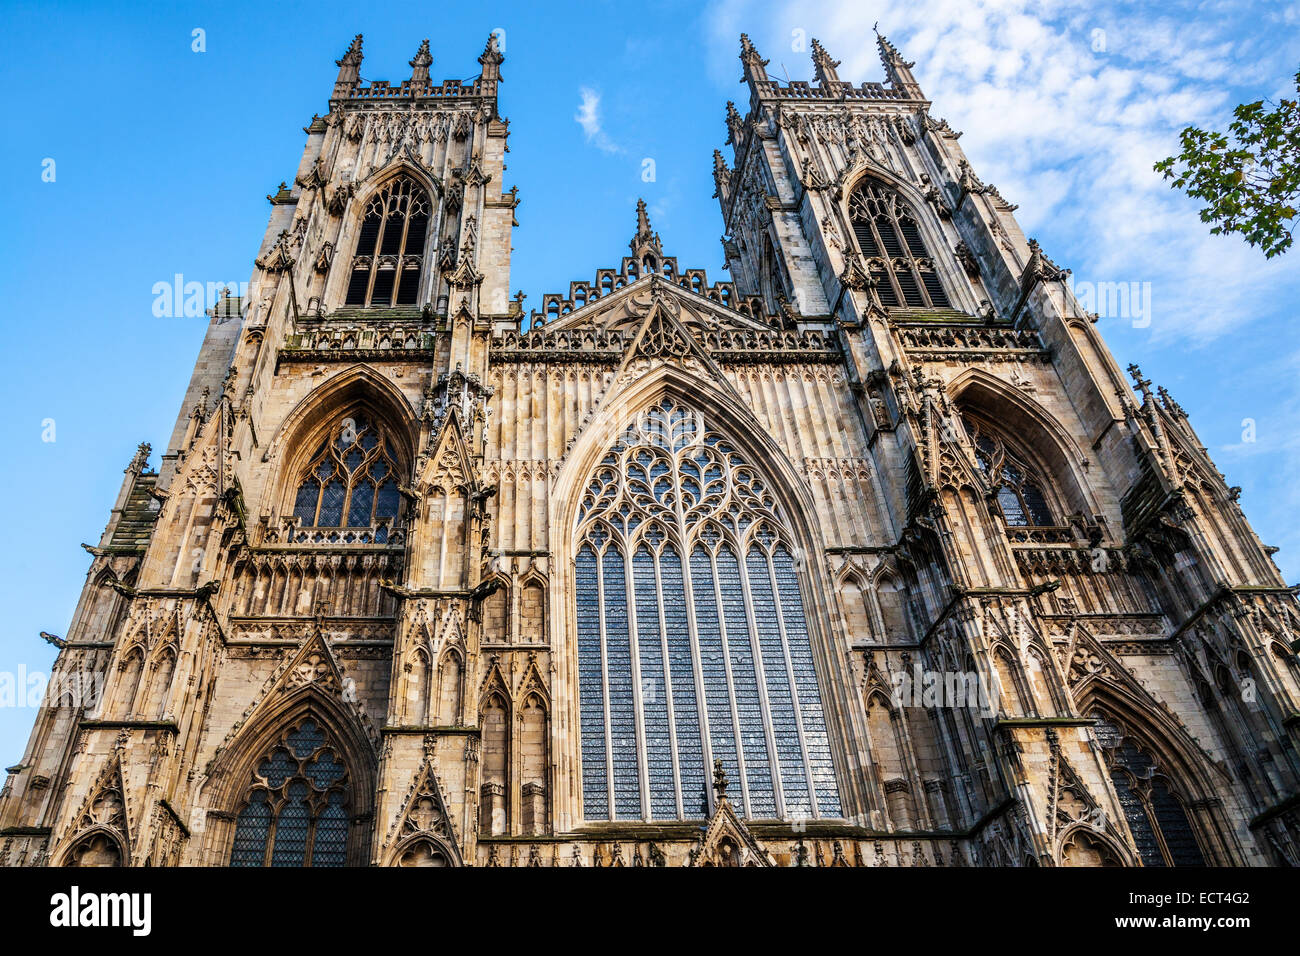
(295, 813)
(889, 238)
(1156, 817)
(1019, 493)
(349, 490)
(692, 639)
(389, 257)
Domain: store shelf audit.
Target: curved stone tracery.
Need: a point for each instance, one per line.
(692, 640)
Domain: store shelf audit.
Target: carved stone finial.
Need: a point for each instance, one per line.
(420, 67)
(823, 65)
(141, 458)
(719, 778)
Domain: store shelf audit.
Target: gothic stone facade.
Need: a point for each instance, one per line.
(868, 555)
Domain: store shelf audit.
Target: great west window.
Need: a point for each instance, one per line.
(692, 639)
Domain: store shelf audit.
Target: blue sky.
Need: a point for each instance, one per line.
(163, 157)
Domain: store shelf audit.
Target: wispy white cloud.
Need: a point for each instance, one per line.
(588, 117)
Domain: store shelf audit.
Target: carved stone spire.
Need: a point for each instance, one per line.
(349, 69)
(721, 177)
(897, 70)
(735, 125)
(823, 65)
(753, 63)
(420, 67)
(491, 59)
(646, 240)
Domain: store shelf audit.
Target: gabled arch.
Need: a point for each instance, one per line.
(1195, 778)
(374, 183)
(316, 411)
(723, 565)
(1036, 432)
(232, 770)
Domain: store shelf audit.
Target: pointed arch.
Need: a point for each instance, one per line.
(734, 568)
(451, 682)
(388, 233)
(311, 416)
(241, 796)
(418, 675)
(890, 236)
(532, 608)
(1033, 430)
(1162, 779)
(495, 730)
(1011, 681)
(130, 674)
(162, 667)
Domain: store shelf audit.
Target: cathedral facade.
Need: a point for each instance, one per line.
(867, 555)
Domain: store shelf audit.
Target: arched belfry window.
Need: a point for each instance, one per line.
(900, 265)
(297, 809)
(1020, 491)
(1155, 814)
(693, 643)
(348, 491)
(389, 258)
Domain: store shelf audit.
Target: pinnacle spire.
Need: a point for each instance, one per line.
(721, 176)
(349, 69)
(353, 54)
(492, 57)
(420, 66)
(735, 125)
(645, 240)
(823, 65)
(754, 64)
(897, 70)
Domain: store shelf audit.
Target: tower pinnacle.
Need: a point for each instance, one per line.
(420, 67)
(753, 64)
(897, 70)
(823, 65)
(349, 69)
(645, 240)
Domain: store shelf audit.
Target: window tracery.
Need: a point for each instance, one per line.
(351, 484)
(296, 812)
(389, 258)
(1156, 816)
(1019, 491)
(692, 639)
(889, 236)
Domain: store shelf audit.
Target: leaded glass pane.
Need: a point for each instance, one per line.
(622, 713)
(717, 693)
(291, 829)
(331, 504)
(251, 832)
(306, 739)
(654, 693)
(591, 682)
(720, 651)
(1172, 818)
(686, 714)
(805, 679)
(780, 702)
(279, 768)
(1138, 821)
(744, 680)
(363, 496)
(329, 847)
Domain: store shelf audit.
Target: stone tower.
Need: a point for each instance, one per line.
(866, 556)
